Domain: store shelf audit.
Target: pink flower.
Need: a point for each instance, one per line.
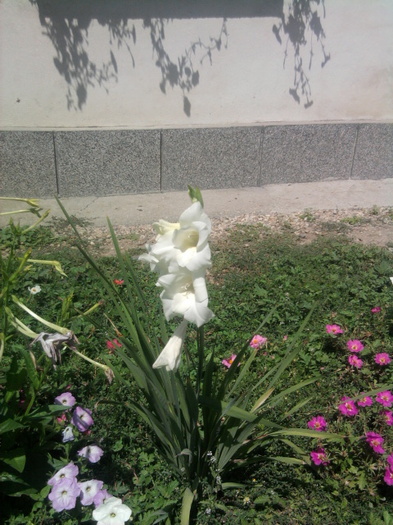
(354, 345)
(319, 457)
(376, 310)
(389, 459)
(92, 453)
(388, 477)
(112, 344)
(382, 359)
(334, 329)
(229, 362)
(385, 398)
(82, 419)
(388, 417)
(61, 418)
(365, 401)
(375, 441)
(354, 360)
(348, 407)
(317, 423)
(257, 341)
(118, 282)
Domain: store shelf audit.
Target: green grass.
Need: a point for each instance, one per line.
(251, 275)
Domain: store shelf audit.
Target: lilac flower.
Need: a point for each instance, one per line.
(317, 423)
(375, 441)
(64, 493)
(92, 453)
(68, 434)
(70, 471)
(89, 490)
(66, 399)
(82, 419)
(112, 512)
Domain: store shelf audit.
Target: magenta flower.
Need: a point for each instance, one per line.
(354, 360)
(334, 329)
(388, 417)
(389, 459)
(229, 362)
(317, 423)
(376, 310)
(92, 453)
(64, 493)
(66, 399)
(257, 341)
(375, 441)
(382, 359)
(70, 471)
(348, 407)
(354, 345)
(89, 490)
(319, 457)
(82, 419)
(388, 477)
(365, 401)
(384, 398)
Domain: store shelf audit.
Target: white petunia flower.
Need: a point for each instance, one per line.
(171, 354)
(68, 434)
(34, 289)
(112, 512)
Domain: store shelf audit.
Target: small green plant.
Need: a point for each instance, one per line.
(307, 215)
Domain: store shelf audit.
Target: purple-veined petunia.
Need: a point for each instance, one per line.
(382, 359)
(354, 345)
(92, 453)
(64, 493)
(66, 399)
(319, 457)
(385, 398)
(317, 423)
(70, 471)
(82, 419)
(89, 490)
(348, 407)
(375, 441)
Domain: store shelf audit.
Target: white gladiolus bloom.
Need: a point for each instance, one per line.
(185, 294)
(171, 354)
(112, 512)
(181, 245)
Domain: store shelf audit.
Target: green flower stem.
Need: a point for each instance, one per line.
(58, 329)
(201, 357)
(106, 368)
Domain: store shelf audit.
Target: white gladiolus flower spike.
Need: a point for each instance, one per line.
(171, 354)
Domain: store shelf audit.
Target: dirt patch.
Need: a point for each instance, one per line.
(368, 226)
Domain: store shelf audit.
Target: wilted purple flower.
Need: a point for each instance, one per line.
(92, 453)
(64, 493)
(70, 471)
(82, 419)
(89, 490)
(52, 344)
(66, 399)
(68, 434)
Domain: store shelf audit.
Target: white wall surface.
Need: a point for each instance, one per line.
(244, 82)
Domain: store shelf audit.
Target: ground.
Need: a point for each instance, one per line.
(367, 226)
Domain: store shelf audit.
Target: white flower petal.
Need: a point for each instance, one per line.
(171, 354)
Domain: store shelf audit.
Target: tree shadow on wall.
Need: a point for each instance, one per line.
(301, 24)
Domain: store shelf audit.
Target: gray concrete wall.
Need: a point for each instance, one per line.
(99, 163)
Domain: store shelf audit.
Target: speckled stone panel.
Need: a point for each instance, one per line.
(210, 158)
(96, 163)
(27, 165)
(307, 153)
(374, 152)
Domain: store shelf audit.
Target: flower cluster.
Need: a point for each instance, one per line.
(181, 256)
(66, 488)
